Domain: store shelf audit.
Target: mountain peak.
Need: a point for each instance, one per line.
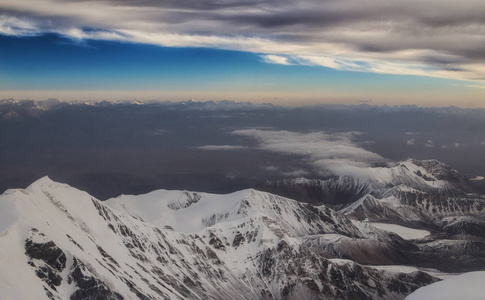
(46, 180)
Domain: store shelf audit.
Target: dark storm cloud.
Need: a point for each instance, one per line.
(430, 38)
(314, 19)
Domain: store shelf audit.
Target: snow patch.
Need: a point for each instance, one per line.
(465, 286)
(404, 232)
(155, 208)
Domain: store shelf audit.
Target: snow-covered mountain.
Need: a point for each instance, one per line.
(62, 243)
(411, 192)
(427, 198)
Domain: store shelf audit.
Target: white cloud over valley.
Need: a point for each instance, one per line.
(221, 147)
(411, 142)
(323, 152)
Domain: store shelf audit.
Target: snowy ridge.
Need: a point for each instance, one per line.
(427, 214)
(64, 244)
(297, 219)
(411, 192)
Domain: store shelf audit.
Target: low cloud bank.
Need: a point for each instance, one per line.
(325, 153)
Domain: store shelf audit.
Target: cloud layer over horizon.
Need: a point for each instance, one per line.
(428, 38)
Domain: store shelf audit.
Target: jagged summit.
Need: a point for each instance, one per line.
(193, 212)
(424, 194)
(429, 176)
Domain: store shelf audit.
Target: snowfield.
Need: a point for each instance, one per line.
(468, 286)
(404, 232)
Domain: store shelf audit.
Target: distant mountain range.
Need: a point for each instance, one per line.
(12, 108)
(64, 244)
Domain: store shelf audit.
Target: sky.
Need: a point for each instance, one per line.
(430, 53)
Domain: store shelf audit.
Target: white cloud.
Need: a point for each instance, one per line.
(221, 147)
(295, 173)
(270, 168)
(17, 27)
(232, 175)
(276, 59)
(476, 86)
(161, 132)
(332, 62)
(324, 152)
(341, 167)
(411, 142)
(429, 144)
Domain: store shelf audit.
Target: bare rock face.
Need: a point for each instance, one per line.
(46, 259)
(303, 272)
(47, 252)
(88, 286)
(334, 192)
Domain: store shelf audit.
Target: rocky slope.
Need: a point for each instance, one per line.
(64, 244)
(427, 196)
(411, 193)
